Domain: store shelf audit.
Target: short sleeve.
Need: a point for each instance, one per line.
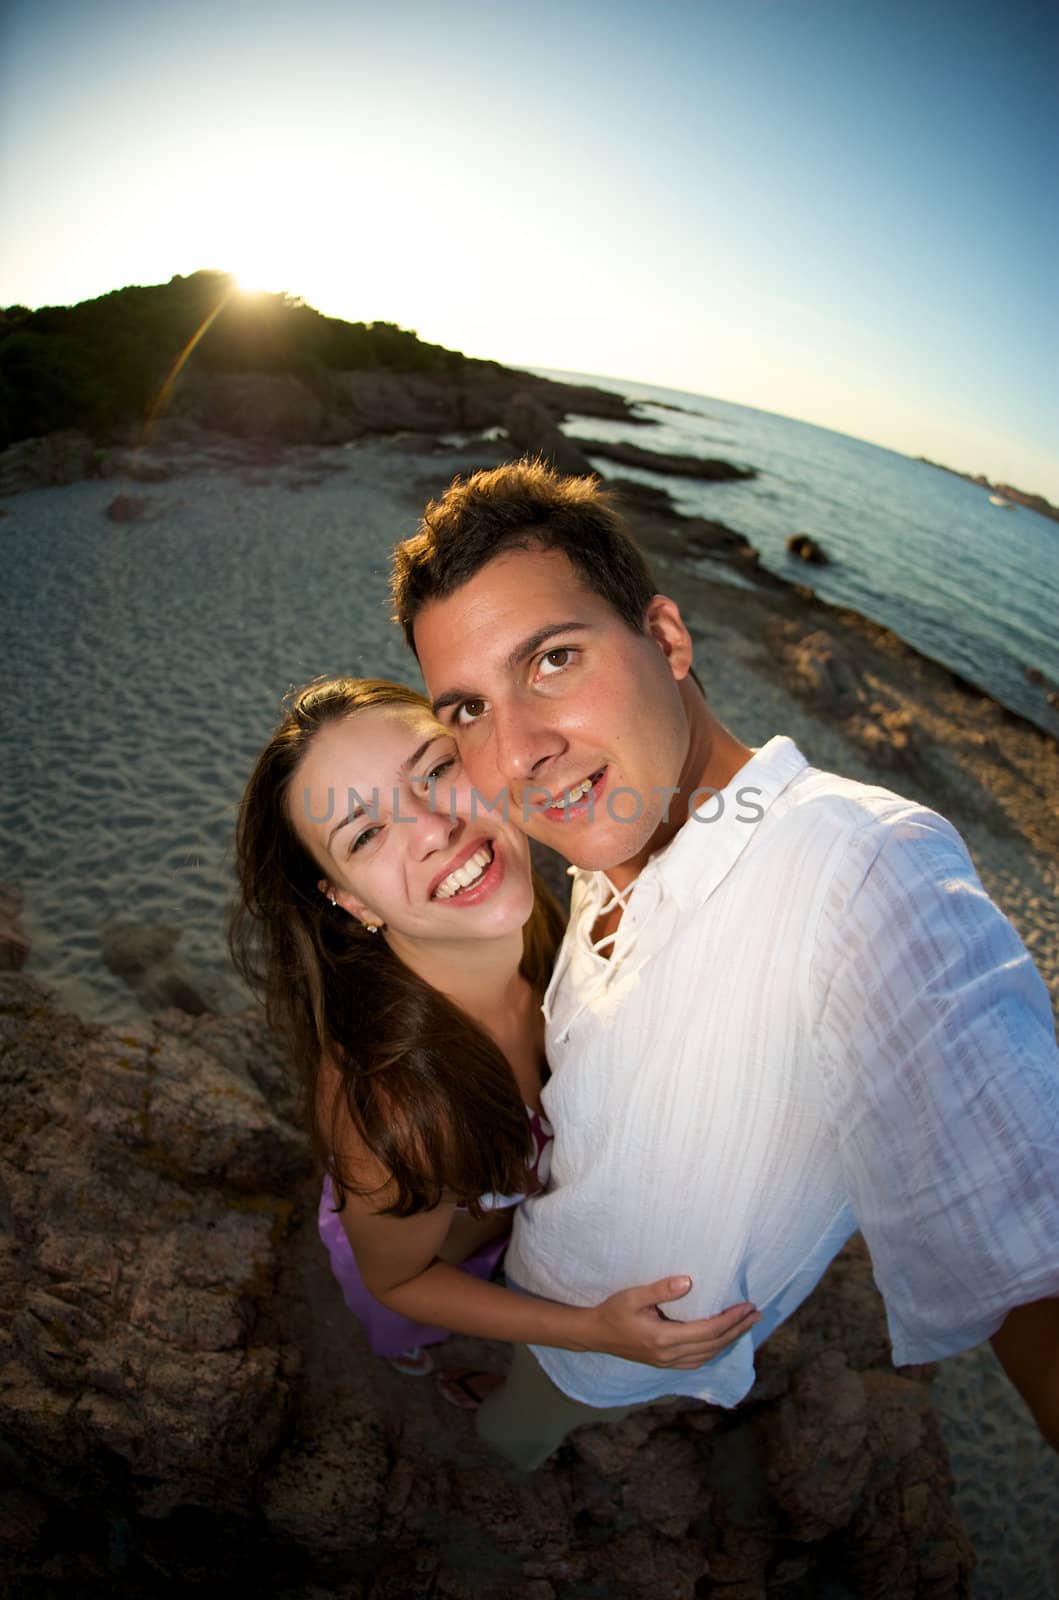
(937, 1048)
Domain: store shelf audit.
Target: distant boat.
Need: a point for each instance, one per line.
(998, 500)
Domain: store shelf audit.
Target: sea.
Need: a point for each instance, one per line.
(973, 585)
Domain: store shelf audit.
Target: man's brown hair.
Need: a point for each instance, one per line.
(522, 506)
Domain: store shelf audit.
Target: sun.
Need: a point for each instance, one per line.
(249, 285)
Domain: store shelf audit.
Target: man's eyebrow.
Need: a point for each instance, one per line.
(406, 766)
(522, 651)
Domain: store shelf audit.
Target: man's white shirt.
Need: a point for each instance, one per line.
(812, 1020)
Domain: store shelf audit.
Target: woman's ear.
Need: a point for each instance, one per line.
(664, 624)
(342, 899)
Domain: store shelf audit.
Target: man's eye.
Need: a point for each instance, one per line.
(469, 712)
(553, 661)
(362, 839)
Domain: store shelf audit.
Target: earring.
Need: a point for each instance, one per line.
(334, 902)
(372, 927)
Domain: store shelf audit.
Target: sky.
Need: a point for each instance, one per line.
(839, 210)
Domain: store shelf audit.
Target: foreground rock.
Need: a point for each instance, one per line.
(806, 548)
(14, 945)
(657, 524)
(57, 459)
(138, 1255)
(264, 414)
(343, 406)
(533, 431)
(816, 667)
(145, 956)
(185, 1402)
(675, 466)
(132, 508)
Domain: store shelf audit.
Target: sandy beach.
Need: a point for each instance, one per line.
(854, 697)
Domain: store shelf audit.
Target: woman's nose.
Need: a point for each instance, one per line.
(434, 822)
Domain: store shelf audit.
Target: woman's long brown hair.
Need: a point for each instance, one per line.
(426, 1089)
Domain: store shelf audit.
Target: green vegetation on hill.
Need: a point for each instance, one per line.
(105, 361)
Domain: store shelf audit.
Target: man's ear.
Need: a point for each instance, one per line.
(664, 624)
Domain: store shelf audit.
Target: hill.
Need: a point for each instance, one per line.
(108, 361)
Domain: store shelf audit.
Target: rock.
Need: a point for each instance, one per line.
(815, 1447)
(266, 406)
(534, 432)
(134, 1279)
(57, 459)
(887, 734)
(610, 1451)
(134, 464)
(679, 466)
(14, 945)
(819, 671)
(132, 508)
(144, 956)
(131, 949)
(817, 668)
(653, 518)
(179, 1374)
(807, 549)
(663, 1485)
(353, 1462)
(1041, 680)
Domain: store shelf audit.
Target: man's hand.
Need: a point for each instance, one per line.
(1027, 1347)
(629, 1324)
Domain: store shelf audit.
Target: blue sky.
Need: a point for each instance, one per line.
(836, 210)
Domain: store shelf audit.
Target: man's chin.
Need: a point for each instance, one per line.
(597, 846)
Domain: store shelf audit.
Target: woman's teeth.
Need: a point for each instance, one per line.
(464, 876)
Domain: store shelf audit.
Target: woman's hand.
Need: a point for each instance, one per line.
(629, 1324)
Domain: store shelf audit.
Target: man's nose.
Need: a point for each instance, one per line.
(524, 743)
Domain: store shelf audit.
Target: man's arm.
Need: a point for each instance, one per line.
(941, 1070)
(1027, 1347)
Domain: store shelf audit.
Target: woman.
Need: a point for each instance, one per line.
(403, 948)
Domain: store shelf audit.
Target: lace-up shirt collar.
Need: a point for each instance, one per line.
(595, 973)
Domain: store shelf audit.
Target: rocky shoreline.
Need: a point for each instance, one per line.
(184, 1400)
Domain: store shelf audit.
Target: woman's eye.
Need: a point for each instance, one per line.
(469, 712)
(440, 770)
(553, 661)
(362, 839)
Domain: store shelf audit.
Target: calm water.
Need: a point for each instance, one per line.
(971, 584)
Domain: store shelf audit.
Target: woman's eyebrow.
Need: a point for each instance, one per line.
(359, 809)
(525, 648)
(413, 760)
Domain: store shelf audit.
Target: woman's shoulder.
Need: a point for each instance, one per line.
(350, 1157)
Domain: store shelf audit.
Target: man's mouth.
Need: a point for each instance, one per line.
(579, 798)
(466, 875)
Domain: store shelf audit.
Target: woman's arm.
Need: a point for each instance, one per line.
(398, 1259)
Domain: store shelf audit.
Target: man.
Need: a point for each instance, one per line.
(784, 1009)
